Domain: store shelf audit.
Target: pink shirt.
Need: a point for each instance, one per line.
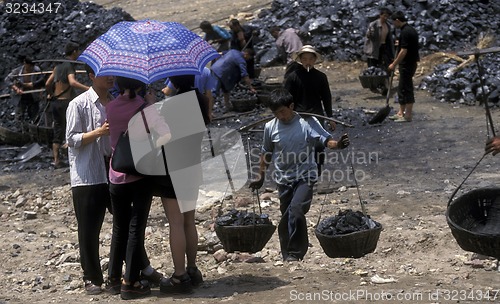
(119, 112)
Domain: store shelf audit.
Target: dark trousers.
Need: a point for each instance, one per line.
(130, 203)
(295, 201)
(59, 108)
(27, 104)
(405, 89)
(90, 203)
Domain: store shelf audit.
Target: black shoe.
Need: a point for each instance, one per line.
(291, 258)
(113, 286)
(176, 284)
(195, 275)
(154, 279)
(91, 288)
(136, 290)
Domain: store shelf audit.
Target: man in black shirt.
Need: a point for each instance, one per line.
(310, 90)
(407, 58)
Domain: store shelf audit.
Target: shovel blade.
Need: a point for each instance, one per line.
(380, 116)
(32, 151)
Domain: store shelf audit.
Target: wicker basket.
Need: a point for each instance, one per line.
(269, 87)
(263, 98)
(249, 238)
(350, 245)
(244, 104)
(372, 82)
(474, 220)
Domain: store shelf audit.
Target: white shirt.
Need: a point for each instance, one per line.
(86, 162)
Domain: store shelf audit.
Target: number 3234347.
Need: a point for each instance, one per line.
(32, 8)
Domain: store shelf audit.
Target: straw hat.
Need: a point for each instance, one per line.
(307, 49)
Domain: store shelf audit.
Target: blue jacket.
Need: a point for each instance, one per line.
(230, 68)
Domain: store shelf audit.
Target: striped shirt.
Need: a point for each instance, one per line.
(86, 162)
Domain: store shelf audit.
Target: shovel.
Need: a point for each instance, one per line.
(32, 151)
(384, 112)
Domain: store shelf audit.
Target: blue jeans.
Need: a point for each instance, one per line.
(295, 201)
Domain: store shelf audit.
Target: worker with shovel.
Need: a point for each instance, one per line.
(407, 59)
(292, 141)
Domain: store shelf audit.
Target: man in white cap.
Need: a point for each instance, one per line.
(310, 89)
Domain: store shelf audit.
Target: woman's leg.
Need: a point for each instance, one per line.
(177, 235)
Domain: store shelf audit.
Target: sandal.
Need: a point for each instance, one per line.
(135, 290)
(177, 284)
(195, 275)
(154, 279)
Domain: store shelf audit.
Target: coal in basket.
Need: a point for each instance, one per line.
(373, 78)
(350, 234)
(243, 231)
(474, 220)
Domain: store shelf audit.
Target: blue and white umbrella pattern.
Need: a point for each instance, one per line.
(148, 50)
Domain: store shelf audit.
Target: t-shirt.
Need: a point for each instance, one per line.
(408, 39)
(292, 145)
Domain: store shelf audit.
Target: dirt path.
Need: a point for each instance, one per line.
(189, 13)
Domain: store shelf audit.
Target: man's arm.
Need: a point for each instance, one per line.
(75, 83)
(401, 55)
(265, 160)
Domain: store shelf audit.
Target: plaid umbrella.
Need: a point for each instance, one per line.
(148, 50)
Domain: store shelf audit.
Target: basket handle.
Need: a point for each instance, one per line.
(459, 186)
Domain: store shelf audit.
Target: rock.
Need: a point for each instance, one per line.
(220, 256)
(29, 215)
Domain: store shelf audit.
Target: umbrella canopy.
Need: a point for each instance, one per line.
(148, 50)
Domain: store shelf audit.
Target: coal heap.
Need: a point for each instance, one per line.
(346, 221)
(44, 36)
(451, 84)
(242, 218)
(337, 27)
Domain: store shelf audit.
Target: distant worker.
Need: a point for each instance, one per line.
(216, 36)
(64, 79)
(229, 70)
(407, 59)
(243, 37)
(379, 45)
(287, 41)
(27, 104)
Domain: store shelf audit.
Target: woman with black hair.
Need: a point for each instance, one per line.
(131, 201)
(183, 234)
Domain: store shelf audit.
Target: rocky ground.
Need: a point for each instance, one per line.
(406, 174)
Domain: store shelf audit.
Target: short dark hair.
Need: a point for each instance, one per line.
(89, 69)
(183, 83)
(274, 29)
(249, 51)
(25, 59)
(399, 15)
(385, 10)
(205, 25)
(131, 84)
(70, 48)
(234, 22)
(279, 98)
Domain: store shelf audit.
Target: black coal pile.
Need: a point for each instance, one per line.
(448, 83)
(44, 35)
(337, 27)
(242, 218)
(346, 221)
